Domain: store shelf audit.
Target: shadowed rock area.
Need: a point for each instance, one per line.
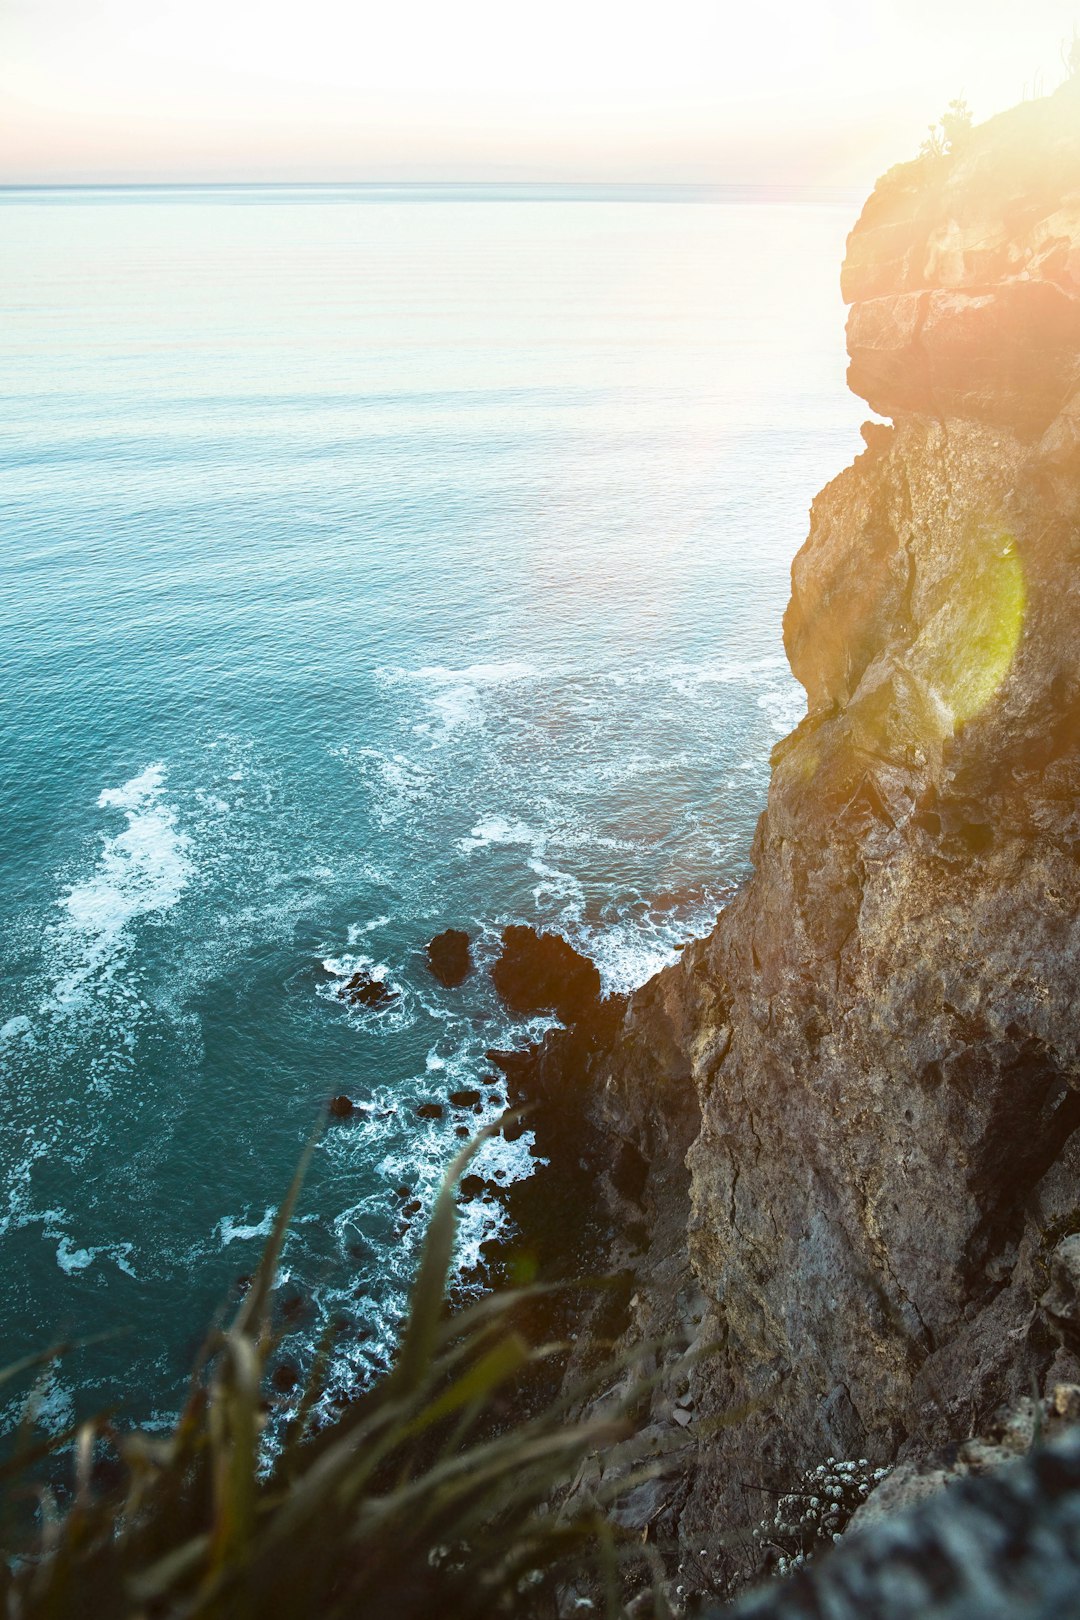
(857, 1098)
(544, 973)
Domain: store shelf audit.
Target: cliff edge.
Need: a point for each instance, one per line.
(855, 1105)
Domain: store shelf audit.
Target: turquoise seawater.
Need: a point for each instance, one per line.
(373, 561)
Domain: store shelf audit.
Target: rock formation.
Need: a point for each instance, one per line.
(857, 1098)
(544, 973)
(449, 957)
(1005, 1547)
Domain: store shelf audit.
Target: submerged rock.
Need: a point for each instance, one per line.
(466, 1098)
(449, 957)
(362, 990)
(544, 973)
(285, 1377)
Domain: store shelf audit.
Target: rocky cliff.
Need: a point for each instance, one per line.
(856, 1105)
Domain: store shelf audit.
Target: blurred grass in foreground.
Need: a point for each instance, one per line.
(421, 1500)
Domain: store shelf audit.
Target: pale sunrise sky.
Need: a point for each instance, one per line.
(604, 90)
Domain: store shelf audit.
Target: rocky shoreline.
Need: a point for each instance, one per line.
(836, 1147)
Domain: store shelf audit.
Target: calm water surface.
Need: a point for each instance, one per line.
(372, 562)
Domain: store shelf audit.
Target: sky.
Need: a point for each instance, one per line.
(825, 92)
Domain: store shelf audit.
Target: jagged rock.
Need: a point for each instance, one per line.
(858, 1098)
(430, 1110)
(449, 957)
(1062, 1298)
(1001, 1547)
(361, 990)
(544, 973)
(342, 1107)
(468, 1097)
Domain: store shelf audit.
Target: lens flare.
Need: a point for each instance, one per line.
(971, 636)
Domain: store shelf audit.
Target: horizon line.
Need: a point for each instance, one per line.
(700, 188)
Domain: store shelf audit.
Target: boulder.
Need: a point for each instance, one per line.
(449, 957)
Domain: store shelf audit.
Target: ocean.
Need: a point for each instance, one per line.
(375, 560)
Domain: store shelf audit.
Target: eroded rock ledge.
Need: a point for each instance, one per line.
(857, 1099)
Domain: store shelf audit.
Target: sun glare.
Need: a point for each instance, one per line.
(968, 645)
(825, 93)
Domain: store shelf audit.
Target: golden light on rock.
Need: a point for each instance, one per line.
(970, 638)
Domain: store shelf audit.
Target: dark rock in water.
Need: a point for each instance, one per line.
(473, 1186)
(464, 1099)
(544, 973)
(342, 1108)
(364, 991)
(461, 1130)
(285, 1377)
(413, 1207)
(449, 957)
(430, 1110)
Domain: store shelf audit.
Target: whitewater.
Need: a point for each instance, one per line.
(373, 564)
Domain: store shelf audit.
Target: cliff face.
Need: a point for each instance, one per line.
(871, 1066)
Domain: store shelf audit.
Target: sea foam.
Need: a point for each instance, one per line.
(141, 871)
